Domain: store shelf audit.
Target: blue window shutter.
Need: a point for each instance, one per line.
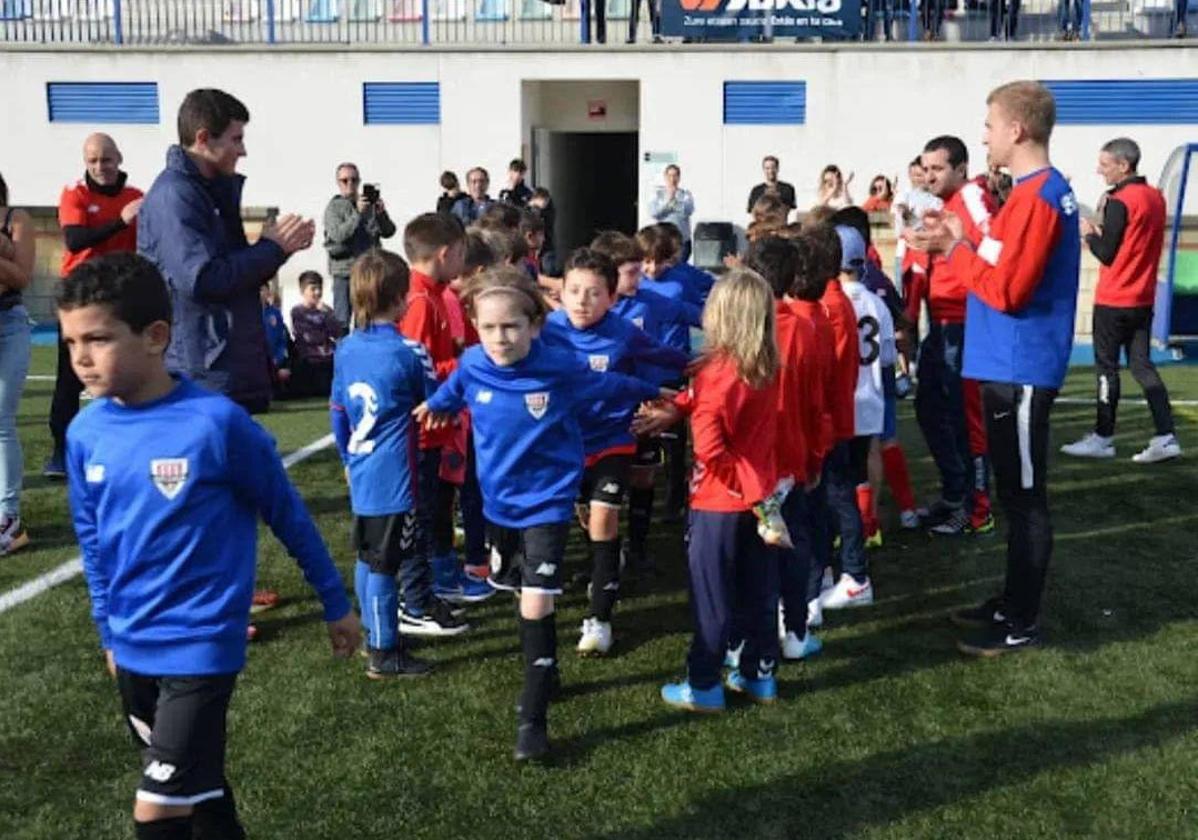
(1126, 101)
(103, 102)
(401, 103)
(765, 103)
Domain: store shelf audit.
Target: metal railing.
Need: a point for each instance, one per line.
(483, 22)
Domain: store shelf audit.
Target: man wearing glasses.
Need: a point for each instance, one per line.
(354, 222)
(475, 202)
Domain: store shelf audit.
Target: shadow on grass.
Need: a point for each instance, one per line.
(842, 799)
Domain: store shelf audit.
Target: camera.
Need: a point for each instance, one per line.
(370, 192)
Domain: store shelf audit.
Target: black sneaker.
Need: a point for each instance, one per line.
(986, 614)
(438, 620)
(532, 742)
(55, 467)
(1000, 639)
(956, 524)
(389, 664)
(937, 513)
(506, 577)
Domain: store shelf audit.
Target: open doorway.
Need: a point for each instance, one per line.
(592, 177)
(583, 147)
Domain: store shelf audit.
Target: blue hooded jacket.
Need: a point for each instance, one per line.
(190, 227)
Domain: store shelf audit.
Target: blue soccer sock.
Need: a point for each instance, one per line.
(382, 604)
(361, 575)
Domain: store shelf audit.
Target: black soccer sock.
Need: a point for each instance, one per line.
(605, 578)
(175, 828)
(216, 819)
(640, 516)
(538, 637)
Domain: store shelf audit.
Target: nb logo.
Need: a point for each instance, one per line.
(546, 569)
(160, 771)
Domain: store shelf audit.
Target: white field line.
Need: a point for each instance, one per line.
(60, 574)
(1122, 402)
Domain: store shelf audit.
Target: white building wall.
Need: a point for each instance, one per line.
(868, 109)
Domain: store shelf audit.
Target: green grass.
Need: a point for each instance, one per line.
(888, 734)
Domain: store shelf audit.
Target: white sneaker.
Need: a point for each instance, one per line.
(848, 593)
(596, 637)
(795, 648)
(909, 520)
(828, 582)
(815, 613)
(1091, 446)
(1160, 448)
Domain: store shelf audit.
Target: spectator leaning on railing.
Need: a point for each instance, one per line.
(354, 222)
(98, 215)
(16, 271)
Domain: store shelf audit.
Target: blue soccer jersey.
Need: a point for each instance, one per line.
(527, 439)
(378, 378)
(659, 316)
(614, 345)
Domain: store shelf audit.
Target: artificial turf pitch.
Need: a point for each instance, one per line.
(890, 733)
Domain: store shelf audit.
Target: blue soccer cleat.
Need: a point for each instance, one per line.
(703, 700)
(761, 690)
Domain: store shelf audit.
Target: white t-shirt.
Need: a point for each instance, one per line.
(875, 342)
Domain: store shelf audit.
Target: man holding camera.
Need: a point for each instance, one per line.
(353, 224)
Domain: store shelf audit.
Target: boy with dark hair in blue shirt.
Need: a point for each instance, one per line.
(167, 481)
(525, 399)
(586, 327)
(378, 378)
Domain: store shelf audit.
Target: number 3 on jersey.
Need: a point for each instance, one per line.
(359, 442)
(868, 331)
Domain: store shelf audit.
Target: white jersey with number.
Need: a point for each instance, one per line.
(875, 342)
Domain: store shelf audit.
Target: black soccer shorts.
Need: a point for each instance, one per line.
(384, 542)
(528, 558)
(648, 452)
(179, 723)
(605, 481)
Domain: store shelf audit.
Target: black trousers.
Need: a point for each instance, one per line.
(1017, 425)
(1004, 19)
(1127, 329)
(65, 404)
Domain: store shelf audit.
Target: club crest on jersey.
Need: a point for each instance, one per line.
(598, 363)
(483, 397)
(537, 404)
(169, 475)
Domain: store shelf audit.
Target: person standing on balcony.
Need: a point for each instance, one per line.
(1127, 243)
(354, 222)
(1179, 18)
(98, 215)
(675, 205)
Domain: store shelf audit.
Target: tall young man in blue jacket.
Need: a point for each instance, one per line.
(167, 481)
(1022, 280)
(190, 227)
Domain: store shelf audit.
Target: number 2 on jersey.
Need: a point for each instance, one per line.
(868, 330)
(359, 442)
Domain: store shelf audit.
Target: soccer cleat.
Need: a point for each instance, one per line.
(986, 614)
(909, 520)
(394, 663)
(874, 540)
(507, 578)
(794, 648)
(1091, 446)
(828, 580)
(55, 467)
(939, 511)
(12, 536)
(847, 593)
(264, 599)
(470, 589)
(532, 742)
(596, 638)
(439, 620)
(763, 690)
(983, 526)
(1000, 639)
(956, 524)
(1160, 448)
(815, 613)
(705, 700)
(732, 656)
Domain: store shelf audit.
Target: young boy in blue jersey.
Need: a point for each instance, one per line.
(586, 327)
(379, 377)
(525, 399)
(167, 481)
(654, 313)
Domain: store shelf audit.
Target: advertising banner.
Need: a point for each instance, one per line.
(731, 20)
